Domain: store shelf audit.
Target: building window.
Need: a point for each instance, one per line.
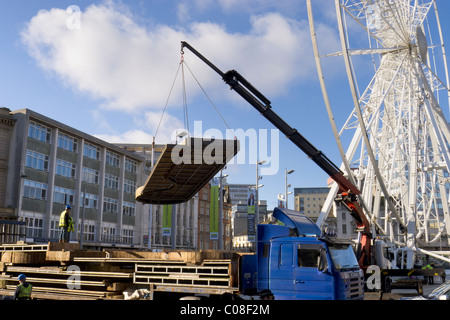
(36, 160)
(90, 200)
(34, 227)
(111, 181)
(127, 236)
(112, 159)
(63, 195)
(344, 229)
(110, 205)
(129, 209)
(91, 151)
(34, 190)
(90, 175)
(65, 169)
(129, 186)
(67, 142)
(88, 231)
(54, 229)
(108, 234)
(39, 132)
(130, 165)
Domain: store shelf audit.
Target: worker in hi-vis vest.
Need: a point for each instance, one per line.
(23, 290)
(66, 224)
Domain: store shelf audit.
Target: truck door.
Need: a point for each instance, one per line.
(312, 281)
(282, 271)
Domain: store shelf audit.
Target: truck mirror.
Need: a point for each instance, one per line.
(323, 262)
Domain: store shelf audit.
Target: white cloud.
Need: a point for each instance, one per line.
(183, 12)
(163, 127)
(130, 67)
(109, 57)
(131, 136)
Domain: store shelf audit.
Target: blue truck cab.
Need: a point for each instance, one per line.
(295, 262)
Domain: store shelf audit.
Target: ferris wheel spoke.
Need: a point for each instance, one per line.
(361, 18)
(370, 51)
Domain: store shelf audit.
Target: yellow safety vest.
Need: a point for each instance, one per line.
(25, 293)
(62, 219)
(70, 228)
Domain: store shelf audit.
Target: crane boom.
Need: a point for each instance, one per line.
(347, 191)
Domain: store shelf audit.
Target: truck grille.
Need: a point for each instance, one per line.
(355, 285)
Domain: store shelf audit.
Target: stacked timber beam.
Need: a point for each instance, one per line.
(54, 275)
(64, 272)
(209, 274)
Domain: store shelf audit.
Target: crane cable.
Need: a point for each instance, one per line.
(204, 92)
(181, 65)
(167, 101)
(183, 84)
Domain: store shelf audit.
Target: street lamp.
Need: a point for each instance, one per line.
(258, 177)
(257, 186)
(287, 185)
(222, 176)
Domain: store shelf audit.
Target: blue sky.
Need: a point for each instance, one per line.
(110, 74)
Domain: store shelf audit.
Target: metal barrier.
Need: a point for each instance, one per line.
(12, 231)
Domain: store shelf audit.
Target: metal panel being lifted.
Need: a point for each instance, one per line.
(183, 169)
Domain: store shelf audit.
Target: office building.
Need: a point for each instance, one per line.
(244, 227)
(310, 201)
(238, 193)
(7, 124)
(52, 165)
(46, 165)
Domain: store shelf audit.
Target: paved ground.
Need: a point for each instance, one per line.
(397, 294)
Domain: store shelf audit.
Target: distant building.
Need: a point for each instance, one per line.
(238, 193)
(205, 240)
(240, 225)
(46, 165)
(310, 201)
(7, 123)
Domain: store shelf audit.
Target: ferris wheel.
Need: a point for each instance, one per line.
(397, 137)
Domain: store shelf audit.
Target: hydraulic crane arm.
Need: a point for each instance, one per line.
(246, 90)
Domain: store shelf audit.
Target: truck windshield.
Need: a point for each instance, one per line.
(343, 257)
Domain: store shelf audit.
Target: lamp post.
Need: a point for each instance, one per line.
(287, 185)
(257, 186)
(258, 177)
(221, 209)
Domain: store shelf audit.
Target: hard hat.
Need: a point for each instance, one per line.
(22, 277)
(68, 207)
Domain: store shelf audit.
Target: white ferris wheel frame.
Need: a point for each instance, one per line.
(407, 222)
